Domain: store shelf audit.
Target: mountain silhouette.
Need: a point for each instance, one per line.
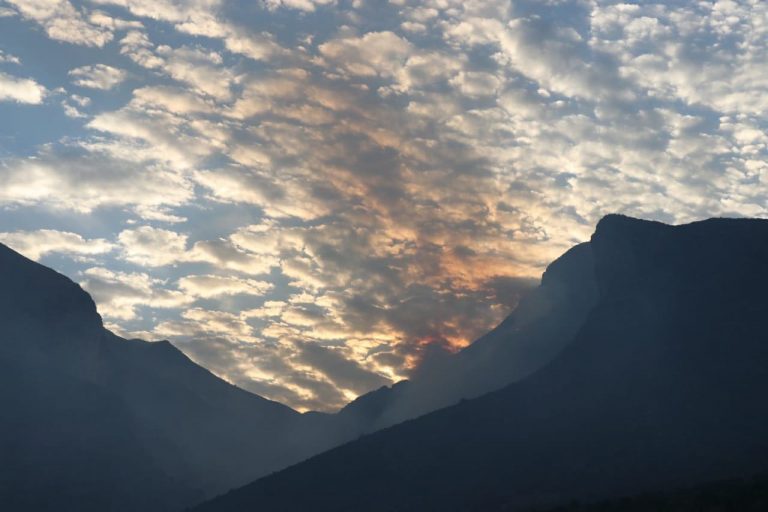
(661, 386)
(91, 421)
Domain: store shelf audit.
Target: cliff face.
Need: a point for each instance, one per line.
(662, 385)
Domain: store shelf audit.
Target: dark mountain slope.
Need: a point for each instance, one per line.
(90, 421)
(662, 386)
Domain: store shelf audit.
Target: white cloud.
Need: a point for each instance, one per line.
(21, 90)
(36, 244)
(153, 247)
(7, 58)
(172, 99)
(303, 5)
(144, 134)
(199, 68)
(200, 322)
(98, 76)
(207, 286)
(199, 18)
(165, 10)
(73, 180)
(476, 84)
(375, 53)
(118, 295)
(156, 247)
(63, 22)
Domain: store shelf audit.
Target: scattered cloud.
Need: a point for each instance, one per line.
(36, 244)
(74, 179)
(21, 90)
(7, 58)
(62, 21)
(373, 54)
(98, 76)
(207, 286)
(118, 295)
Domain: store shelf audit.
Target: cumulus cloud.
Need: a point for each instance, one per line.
(153, 247)
(21, 90)
(82, 181)
(156, 247)
(303, 5)
(98, 76)
(63, 22)
(200, 18)
(207, 286)
(119, 294)
(375, 53)
(7, 58)
(339, 369)
(36, 244)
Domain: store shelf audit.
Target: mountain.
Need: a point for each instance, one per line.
(546, 319)
(662, 386)
(91, 421)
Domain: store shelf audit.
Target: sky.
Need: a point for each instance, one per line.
(313, 197)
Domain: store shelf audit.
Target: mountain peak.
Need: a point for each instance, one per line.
(37, 299)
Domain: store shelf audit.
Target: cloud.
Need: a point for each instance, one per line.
(98, 76)
(207, 286)
(63, 22)
(157, 247)
(7, 58)
(165, 10)
(199, 18)
(340, 190)
(373, 54)
(198, 322)
(119, 294)
(302, 5)
(199, 68)
(21, 90)
(172, 99)
(36, 244)
(142, 134)
(339, 369)
(77, 180)
(152, 247)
